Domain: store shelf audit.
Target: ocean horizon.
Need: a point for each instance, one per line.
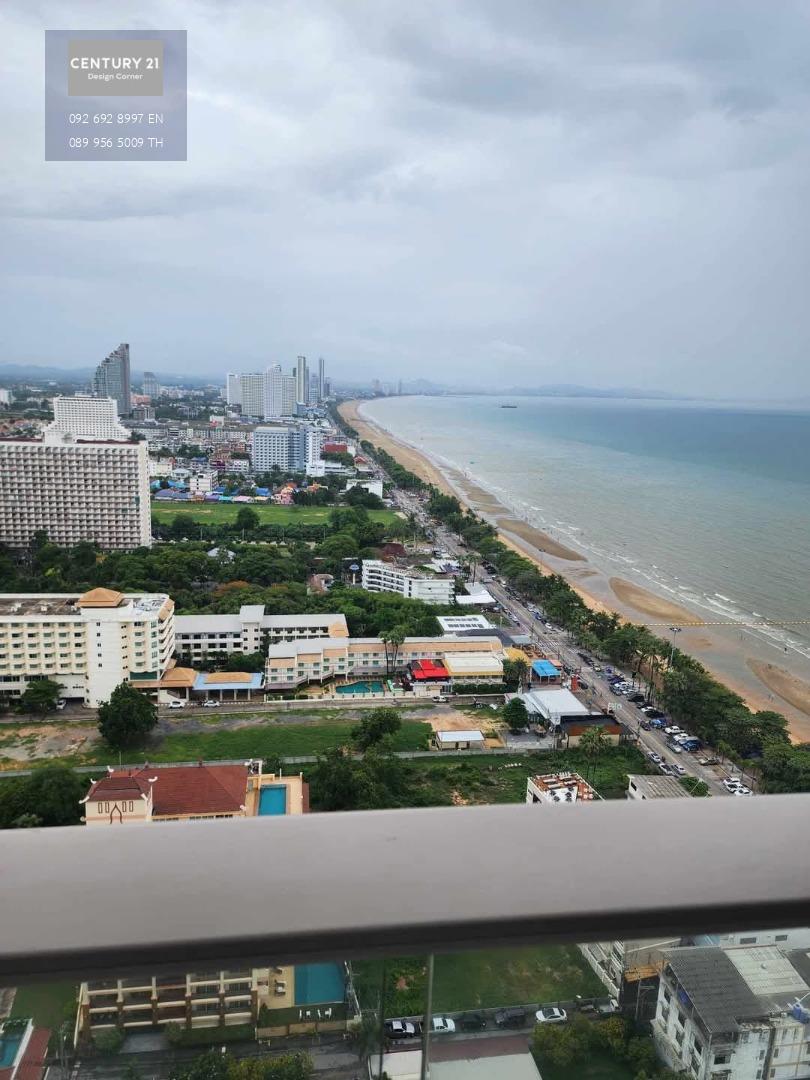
(704, 504)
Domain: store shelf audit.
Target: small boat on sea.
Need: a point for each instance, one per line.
(508, 406)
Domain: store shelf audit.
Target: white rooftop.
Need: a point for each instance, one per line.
(554, 703)
(476, 596)
(454, 624)
(767, 971)
(461, 735)
(504, 1067)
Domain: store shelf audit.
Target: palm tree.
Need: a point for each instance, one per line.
(593, 743)
(521, 669)
(392, 639)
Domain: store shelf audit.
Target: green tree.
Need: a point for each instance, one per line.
(40, 696)
(392, 640)
(127, 718)
(212, 1065)
(379, 724)
(514, 674)
(109, 1042)
(515, 715)
(247, 520)
(594, 744)
(564, 1045)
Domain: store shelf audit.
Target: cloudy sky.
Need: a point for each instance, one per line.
(609, 192)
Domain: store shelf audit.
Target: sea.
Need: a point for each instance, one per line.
(705, 504)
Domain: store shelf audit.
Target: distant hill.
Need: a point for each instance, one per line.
(82, 376)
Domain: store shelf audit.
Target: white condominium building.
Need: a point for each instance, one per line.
(296, 447)
(88, 644)
(87, 418)
(198, 636)
(289, 664)
(74, 490)
(252, 394)
(381, 576)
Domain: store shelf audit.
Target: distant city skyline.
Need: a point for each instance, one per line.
(609, 195)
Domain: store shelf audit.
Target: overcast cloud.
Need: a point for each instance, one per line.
(611, 192)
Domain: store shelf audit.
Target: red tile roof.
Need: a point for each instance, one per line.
(32, 1063)
(580, 729)
(186, 789)
(428, 669)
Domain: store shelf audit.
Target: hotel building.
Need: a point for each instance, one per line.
(88, 644)
(87, 418)
(378, 576)
(197, 636)
(290, 664)
(74, 490)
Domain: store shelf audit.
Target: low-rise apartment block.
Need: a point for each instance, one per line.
(379, 576)
(734, 1014)
(294, 663)
(87, 643)
(277, 1000)
(199, 636)
(73, 490)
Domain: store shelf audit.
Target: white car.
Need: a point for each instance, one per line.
(679, 769)
(551, 1016)
(177, 704)
(61, 703)
(742, 790)
(443, 1025)
(731, 783)
(210, 704)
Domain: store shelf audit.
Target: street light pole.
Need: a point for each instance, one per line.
(675, 630)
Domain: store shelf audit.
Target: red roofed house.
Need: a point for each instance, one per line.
(186, 792)
(428, 671)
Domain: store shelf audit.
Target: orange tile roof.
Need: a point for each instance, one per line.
(228, 677)
(185, 789)
(100, 598)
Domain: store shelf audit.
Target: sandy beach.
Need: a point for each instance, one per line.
(760, 683)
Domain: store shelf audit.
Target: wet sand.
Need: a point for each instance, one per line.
(789, 687)
(716, 646)
(650, 604)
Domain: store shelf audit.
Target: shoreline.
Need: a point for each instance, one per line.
(755, 680)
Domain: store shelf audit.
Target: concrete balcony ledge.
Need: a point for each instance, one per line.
(275, 890)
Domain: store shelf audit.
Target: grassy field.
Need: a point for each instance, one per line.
(224, 513)
(272, 740)
(495, 780)
(46, 1003)
(482, 978)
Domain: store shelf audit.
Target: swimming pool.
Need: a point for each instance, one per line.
(9, 1045)
(361, 688)
(273, 800)
(319, 984)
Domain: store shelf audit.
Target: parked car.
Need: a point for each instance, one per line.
(656, 723)
(679, 769)
(510, 1018)
(61, 703)
(742, 790)
(674, 747)
(400, 1029)
(637, 698)
(472, 1021)
(707, 761)
(731, 782)
(609, 1008)
(655, 714)
(655, 758)
(645, 725)
(667, 770)
(177, 704)
(551, 1015)
(443, 1025)
(211, 704)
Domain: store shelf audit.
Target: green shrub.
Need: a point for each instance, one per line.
(109, 1042)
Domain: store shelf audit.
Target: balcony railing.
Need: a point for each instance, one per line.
(255, 891)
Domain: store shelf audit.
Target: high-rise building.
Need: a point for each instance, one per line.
(273, 393)
(301, 381)
(88, 644)
(296, 447)
(314, 389)
(74, 490)
(151, 387)
(288, 387)
(321, 379)
(87, 418)
(252, 386)
(233, 389)
(112, 379)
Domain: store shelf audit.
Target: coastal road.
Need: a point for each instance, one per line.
(554, 643)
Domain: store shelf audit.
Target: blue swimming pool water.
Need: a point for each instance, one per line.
(361, 688)
(273, 800)
(319, 984)
(10, 1044)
